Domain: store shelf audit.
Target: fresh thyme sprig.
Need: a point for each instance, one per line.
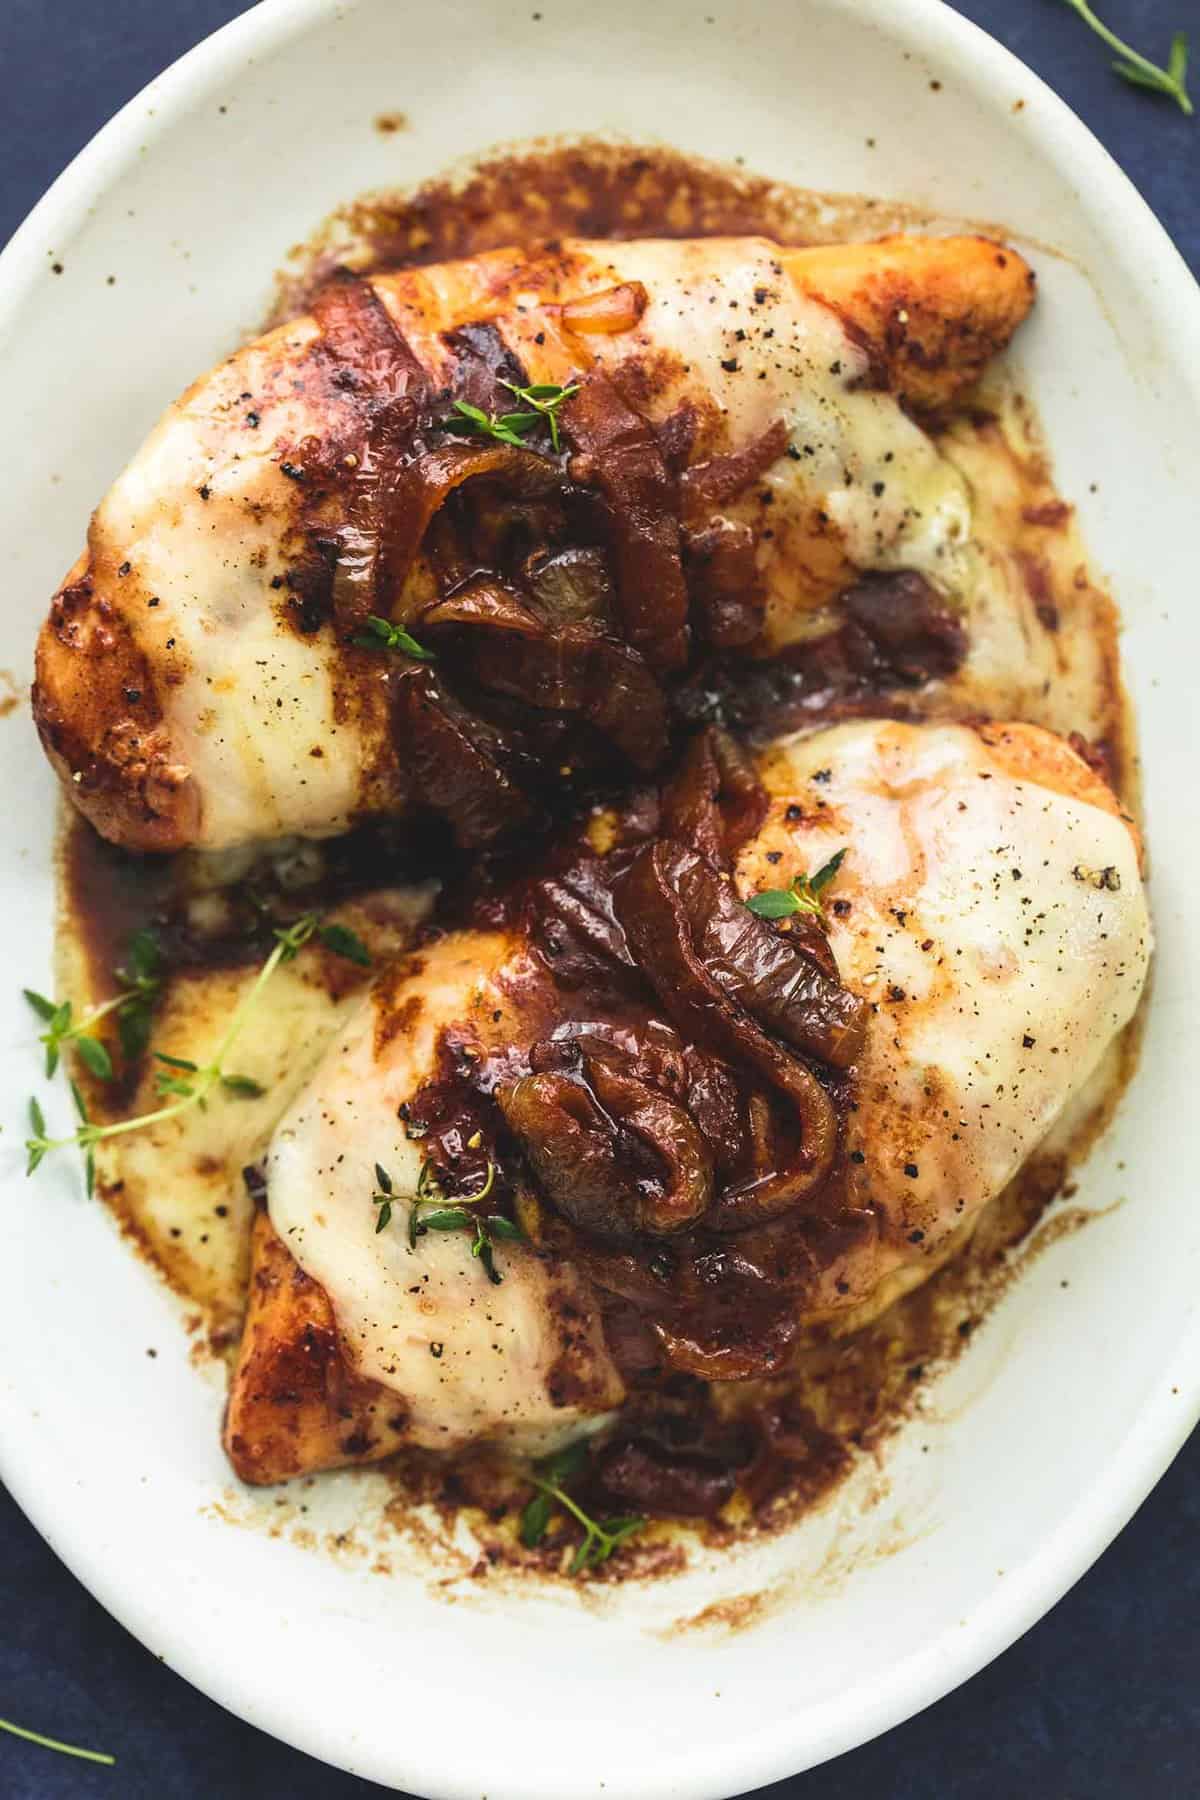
(433, 1210)
(168, 1083)
(601, 1537)
(545, 397)
(382, 1198)
(141, 982)
(193, 1083)
(506, 428)
(804, 895)
(542, 402)
(63, 1028)
(141, 985)
(430, 1209)
(39, 1143)
(337, 938)
(49, 1743)
(381, 634)
(1138, 69)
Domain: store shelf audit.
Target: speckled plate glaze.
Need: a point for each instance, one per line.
(147, 260)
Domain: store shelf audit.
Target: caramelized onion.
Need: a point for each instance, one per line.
(671, 1133)
(483, 602)
(572, 670)
(615, 309)
(624, 460)
(569, 586)
(654, 1052)
(715, 802)
(437, 473)
(574, 928)
(360, 335)
(676, 436)
(648, 1472)
(758, 967)
(456, 761)
(577, 1140)
(660, 902)
(735, 1351)
(625, 702)
(709, 485)
(482, 362)
(909, 628)
(499, 525)
(762, 1197)
(728, 602)
(890, 630)
(677, 911)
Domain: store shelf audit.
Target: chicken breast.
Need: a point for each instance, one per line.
(741, 444)
(989, 937)
(992, 909)
(461, 1356)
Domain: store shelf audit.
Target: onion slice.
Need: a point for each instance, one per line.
(613, 310)
(620, 453)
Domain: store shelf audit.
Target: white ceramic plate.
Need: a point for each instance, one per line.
(1068, 1407)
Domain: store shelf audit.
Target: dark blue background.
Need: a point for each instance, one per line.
(1101, 1701)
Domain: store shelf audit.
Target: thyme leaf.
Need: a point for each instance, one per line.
(141, 981)
(430, 1209)
(141, 975)
(804, 894)
(601, 1537)
(447, 1218)
(540, 401)
(94, 1057)
(181, 1082)
(472, 421)
(244, 1086)
(344, 942)
(1137, 69)
(63, 1028)
(191, 1087)
(381, 634)
(545, 398)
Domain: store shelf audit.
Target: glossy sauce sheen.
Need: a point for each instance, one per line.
(1039, 643)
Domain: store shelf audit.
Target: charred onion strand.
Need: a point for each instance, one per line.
(571, 669)
(708, 485)
(654, 902)
(456, 761)
(623, 459)
(716, 802)
(361, 337)
(576, 1134)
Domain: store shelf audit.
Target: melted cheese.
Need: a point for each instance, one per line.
(969, 913)
(277, 736)
(200, 516)
(469, 1358)
(999, 926)
(895, 500)
(179, 1184)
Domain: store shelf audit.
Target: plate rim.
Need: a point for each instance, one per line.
(1167, 1418)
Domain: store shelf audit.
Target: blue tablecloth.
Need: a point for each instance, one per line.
(1101, 1700)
